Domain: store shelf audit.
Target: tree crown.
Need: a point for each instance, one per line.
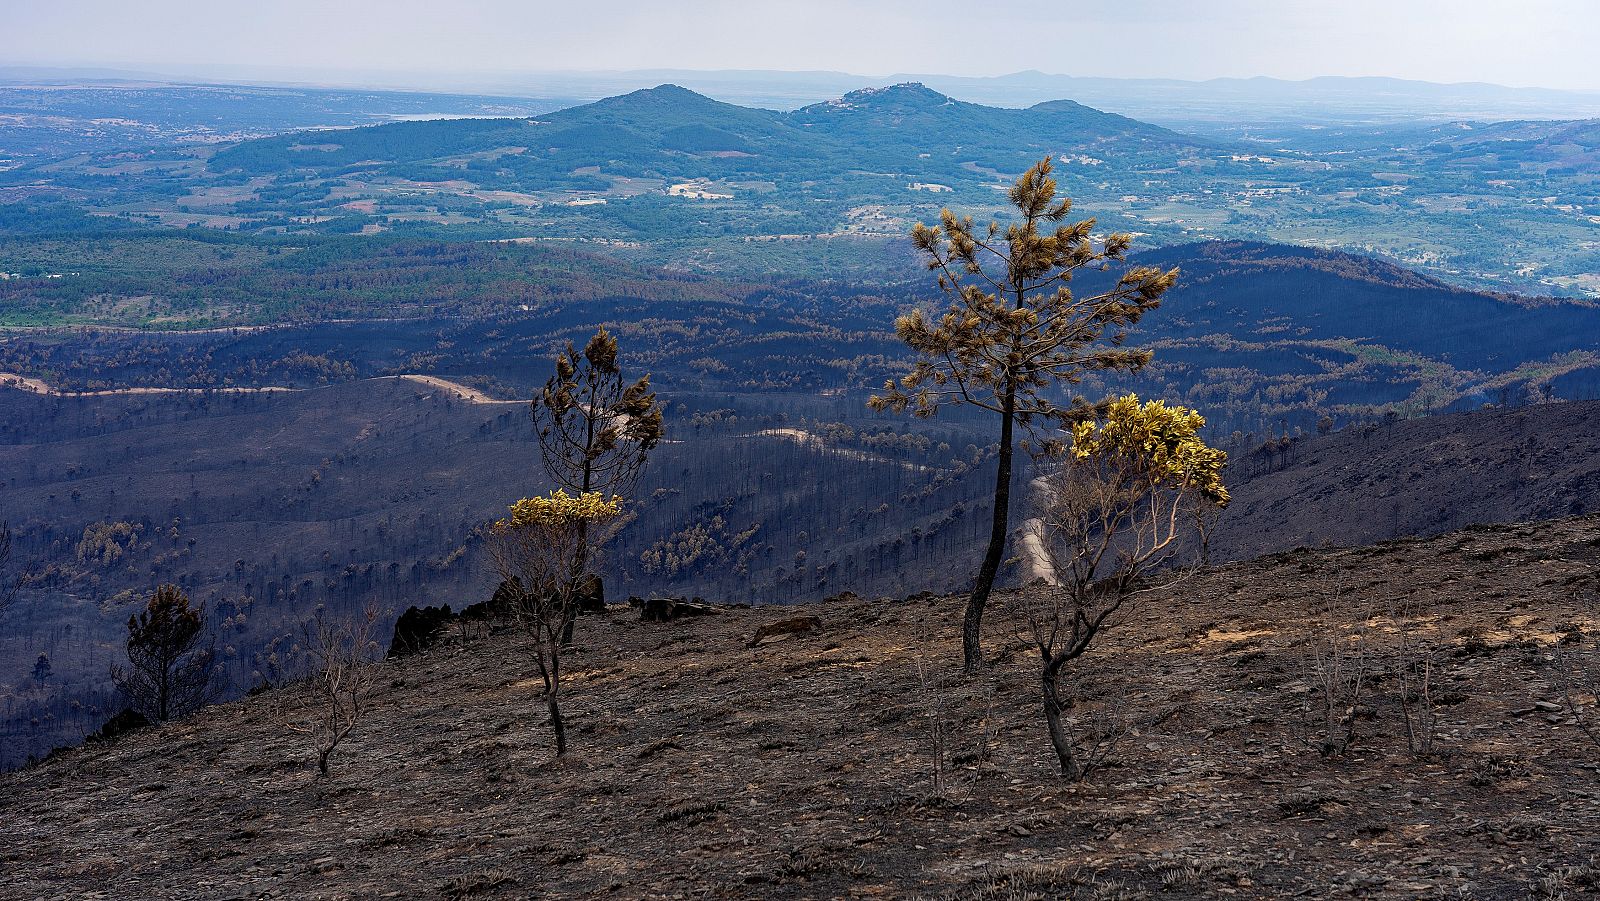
(560, 509)
(1160, 446)
(595, 429)
(167, 625)
(1014, 327)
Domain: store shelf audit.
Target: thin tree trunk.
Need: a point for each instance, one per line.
(164, 690)
(569, 620)
(1060, 737)
(557, 724)
(972, 626)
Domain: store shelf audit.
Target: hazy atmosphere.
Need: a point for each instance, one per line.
(943, 451)
(1547, 43)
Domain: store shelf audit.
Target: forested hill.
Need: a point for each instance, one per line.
(672, 131)
(872, 116)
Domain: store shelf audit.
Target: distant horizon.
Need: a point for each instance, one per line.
(438, 81)
(1535, 43)
(1178, 103)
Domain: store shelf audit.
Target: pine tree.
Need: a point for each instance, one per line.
(169, 672)
(596, 430)
(1014, 333)
(41, 669)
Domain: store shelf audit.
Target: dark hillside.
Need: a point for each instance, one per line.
(272, 503)
(1243, 288)
(372, 487)
(1418, 477)
(704, 767)
(1289, 334)
(1259, 336)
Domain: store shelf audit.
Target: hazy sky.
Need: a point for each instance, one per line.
(1550, 43)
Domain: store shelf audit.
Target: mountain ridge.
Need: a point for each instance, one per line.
(651, 112)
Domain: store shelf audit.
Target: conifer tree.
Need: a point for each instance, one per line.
(1014, 334)
(169, 673)
(596, 430)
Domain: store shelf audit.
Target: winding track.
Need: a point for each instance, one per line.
(1036, 563)
(38, 386)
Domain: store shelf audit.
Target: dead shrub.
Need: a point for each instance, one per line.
(1335, 665)
(1578, 673)
(931, 678)
(1417, 659)
(342, 675)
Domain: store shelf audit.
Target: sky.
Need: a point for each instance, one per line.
(1543, 43)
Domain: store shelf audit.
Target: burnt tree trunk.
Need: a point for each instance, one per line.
(569, 619)
(570, 622)
(1060, 734)
(972, 625)
(557, 723)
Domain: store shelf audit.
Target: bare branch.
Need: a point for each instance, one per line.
(343, 674)
(1114, 511)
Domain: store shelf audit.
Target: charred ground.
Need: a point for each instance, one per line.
(705, 767)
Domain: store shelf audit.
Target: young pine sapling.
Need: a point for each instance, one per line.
(1114, 523)
(537, 547)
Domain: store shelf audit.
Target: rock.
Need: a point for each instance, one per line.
(785, 628)
(654, 610)
(592, 595)
(509, 596)
(499, 606)
(129, 720)
(1548, 707)
(418, 629)
(663, 610)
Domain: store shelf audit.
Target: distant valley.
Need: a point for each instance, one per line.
(670, 177)
(49, 116)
